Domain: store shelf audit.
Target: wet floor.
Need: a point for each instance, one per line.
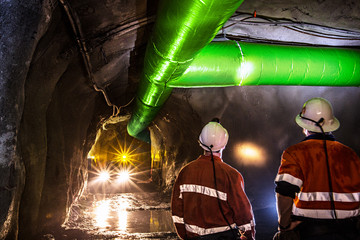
(136, 215)
(142, 214)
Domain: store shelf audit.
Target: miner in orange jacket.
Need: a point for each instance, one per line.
(318, 182)
(208, 198)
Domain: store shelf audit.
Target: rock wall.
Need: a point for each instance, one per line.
(174, 139)
(22, 25)
(50, 110)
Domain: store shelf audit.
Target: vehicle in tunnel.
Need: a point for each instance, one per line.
(117, 162)
(112, 178)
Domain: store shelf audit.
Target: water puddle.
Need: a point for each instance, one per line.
(140, 215)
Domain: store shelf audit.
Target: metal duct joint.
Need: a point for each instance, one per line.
(182, 29)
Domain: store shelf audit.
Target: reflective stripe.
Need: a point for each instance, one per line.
(202, 190)
(289, 178)
(177, 219)
(246, 227)
(205, 231)
(324, 214)
(324, 196)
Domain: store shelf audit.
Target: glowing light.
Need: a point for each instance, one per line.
(250, 154)
(125, 154)
(245, 70)
(102, 214)
(104, 176)
(123, 176)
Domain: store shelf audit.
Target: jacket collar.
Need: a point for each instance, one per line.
(216, 158)
(320, 136)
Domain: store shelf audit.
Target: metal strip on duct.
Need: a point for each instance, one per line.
(182, 28)
(231, 63)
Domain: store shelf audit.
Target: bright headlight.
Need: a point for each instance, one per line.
(104, 176)
(123, 176)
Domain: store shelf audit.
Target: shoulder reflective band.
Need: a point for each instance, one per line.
(202, 190)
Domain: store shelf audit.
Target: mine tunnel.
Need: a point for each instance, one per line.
(123, 85)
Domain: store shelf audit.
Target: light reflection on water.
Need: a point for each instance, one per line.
(104, 215)
(126, 215)
(101, 214)
(122, 216)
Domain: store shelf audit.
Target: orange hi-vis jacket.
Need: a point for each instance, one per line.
(303, 167)
(194, 203)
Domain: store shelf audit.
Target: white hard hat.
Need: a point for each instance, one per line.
(315, 109)
(214, 136)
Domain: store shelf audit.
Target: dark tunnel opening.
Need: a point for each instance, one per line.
(123, 197)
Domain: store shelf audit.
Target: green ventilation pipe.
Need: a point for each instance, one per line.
(231, 63)
(182, 29)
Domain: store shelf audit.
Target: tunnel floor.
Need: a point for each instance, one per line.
(144, 214)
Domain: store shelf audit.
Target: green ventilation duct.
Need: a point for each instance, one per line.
(179, 55)
(231, 63)
(182, 29)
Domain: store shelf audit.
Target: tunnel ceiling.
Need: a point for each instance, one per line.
(67, 66)
(115, 33)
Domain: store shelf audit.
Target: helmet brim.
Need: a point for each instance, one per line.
(313, 128)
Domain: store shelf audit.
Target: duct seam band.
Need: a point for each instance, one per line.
(167, 59)
(242, 57)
